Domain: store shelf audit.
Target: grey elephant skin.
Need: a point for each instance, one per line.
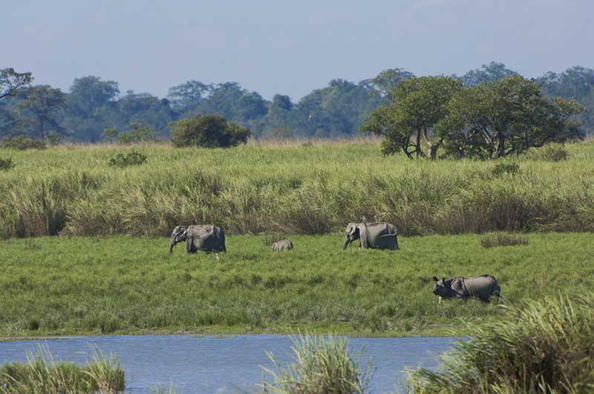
(206, 238)
(282, 245)
(483, 287)
(372, 235)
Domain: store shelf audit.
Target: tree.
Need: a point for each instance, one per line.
(417, 105)
(487, 73)
(40, 110)
(336, 110)
(387, 80)
(188, 96)
(11, 81)
(208, 131)
(506, 117)
(88, 94)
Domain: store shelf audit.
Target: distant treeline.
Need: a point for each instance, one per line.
(93, 105)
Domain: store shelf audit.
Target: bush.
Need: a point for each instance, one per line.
(321, 365)
(6, 164)
(22, 142)
(40, 374)
(133, 158)
(551, 152)
(503, 240)
(545, 348)
(505, 168)
(138, 132)
(208, 131)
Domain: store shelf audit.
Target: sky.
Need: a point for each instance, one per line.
(287, 47)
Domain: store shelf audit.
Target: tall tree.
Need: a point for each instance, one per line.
(487, 73)
(188, 95)
(387, 80)
(507, 117)
(11, 81)
(417, 105)
(88, 94)
(41, 109)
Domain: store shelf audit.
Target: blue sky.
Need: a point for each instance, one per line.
(287, 47)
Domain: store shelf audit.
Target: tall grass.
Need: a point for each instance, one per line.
(42, 374)
(289, 188)
(320, 365)
(546, 347)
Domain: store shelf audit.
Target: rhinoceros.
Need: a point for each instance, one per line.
(207, 238)
(483, 287)
(282, 245)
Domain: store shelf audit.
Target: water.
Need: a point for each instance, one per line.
(225, 364)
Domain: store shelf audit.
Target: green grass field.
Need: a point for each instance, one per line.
(122, 284)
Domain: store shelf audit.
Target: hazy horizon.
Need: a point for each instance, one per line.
(150, 46)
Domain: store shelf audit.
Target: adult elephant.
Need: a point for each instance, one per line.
(207, 238)
(372, 235)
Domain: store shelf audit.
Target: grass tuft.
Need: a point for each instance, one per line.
(320, 365)
(546, 347)
(494, 240)
(42, 374)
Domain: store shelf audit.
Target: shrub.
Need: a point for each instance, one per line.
(505, 168)
(133, 158)
(41, 374)
(321, 365)
(503, 240)
(22, 142)
(208, 131)
(6, 164)
(544, 348)
(551, 152)
(138, 132)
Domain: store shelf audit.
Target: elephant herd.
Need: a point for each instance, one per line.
(379, 235)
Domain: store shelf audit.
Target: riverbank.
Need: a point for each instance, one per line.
(126, 285)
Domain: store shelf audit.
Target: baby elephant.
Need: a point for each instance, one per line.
(283, 244)
(483, 287)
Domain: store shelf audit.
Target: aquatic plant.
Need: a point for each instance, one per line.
(320, 365)
(545, 347)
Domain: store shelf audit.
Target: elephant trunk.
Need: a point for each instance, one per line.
(347, 241)
(172, 244)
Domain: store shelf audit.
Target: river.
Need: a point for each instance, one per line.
(225, 364)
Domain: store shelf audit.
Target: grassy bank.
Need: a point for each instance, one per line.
(291, 188)
(120, 284)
